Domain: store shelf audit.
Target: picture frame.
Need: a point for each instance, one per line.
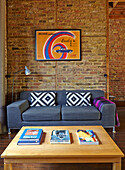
(57, 45)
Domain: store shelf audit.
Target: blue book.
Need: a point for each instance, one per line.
(29, 142)
(31, 136)
(60, 136)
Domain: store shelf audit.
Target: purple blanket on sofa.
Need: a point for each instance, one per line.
(98, 103)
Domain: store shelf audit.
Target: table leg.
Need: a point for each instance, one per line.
(7, 166)
(117, 166)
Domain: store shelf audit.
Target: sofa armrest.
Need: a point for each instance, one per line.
(107, 109)
(108, 114)
(14, 111)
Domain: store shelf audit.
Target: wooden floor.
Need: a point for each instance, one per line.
(119, 138)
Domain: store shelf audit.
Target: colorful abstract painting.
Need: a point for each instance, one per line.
(57, 44)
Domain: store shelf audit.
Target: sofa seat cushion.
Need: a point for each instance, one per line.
(42, 113)
(80, 113)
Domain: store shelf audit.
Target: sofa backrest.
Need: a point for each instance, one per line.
(61, 94)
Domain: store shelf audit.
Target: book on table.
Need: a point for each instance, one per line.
(60, 136)
(30, 136)
(87, 137)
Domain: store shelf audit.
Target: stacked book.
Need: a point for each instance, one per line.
(87, 137)
(60, 136)
(30, 136)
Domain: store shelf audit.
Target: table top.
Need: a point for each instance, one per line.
(106, 147)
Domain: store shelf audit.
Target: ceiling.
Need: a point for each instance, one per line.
(116, 9)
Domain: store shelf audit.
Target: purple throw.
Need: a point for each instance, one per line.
(100, 101)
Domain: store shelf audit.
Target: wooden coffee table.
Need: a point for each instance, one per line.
(106, 152)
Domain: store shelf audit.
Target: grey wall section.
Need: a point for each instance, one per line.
(2, 63)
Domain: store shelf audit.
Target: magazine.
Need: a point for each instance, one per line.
(60, 136)
(30, 136)
(87, 137)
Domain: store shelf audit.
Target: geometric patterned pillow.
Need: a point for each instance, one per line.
(78, 99)
(42, 99)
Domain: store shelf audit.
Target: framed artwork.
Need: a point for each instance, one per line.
(57, 45)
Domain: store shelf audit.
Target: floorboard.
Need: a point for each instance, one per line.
(118, 137)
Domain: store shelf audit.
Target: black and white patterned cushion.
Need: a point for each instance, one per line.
(42, 99)
(78, 99)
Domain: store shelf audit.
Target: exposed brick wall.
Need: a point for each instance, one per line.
(117, 58)
(26, 16)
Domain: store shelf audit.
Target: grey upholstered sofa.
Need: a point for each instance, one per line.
(20, 113)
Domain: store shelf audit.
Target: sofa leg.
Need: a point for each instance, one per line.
(9, 132)
(114, 131)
